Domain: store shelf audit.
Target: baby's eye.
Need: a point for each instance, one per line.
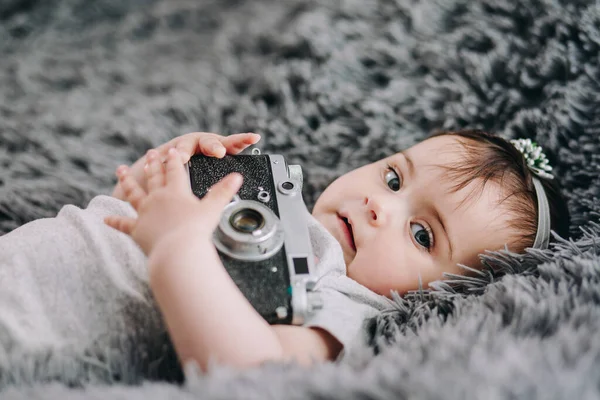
(422, 235)
(392, 179)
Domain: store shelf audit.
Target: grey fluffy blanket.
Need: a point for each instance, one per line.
(86, 85)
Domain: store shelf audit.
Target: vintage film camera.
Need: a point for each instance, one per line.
(262, 237)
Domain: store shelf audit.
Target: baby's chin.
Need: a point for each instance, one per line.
(347, 257)
(330, 226)
(347, 260)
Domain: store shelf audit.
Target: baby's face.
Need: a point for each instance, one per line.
(408, 221)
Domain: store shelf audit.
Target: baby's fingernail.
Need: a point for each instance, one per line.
(121, 170)
(235, 179)
(173, 151)
(216, 147)
(152, 154)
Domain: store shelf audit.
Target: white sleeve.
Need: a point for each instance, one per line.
(342, 317)
(74, 280)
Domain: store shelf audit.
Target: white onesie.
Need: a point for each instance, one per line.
(73, 282)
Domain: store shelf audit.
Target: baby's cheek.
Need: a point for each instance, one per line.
(380, 271)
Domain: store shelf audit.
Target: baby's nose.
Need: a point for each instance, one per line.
(376, 212)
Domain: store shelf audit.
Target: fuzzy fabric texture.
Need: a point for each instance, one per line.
(332, 85)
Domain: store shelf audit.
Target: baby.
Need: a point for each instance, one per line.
(393, 225)
(400, 222)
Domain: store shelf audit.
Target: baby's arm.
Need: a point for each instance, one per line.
(209, 318)
(209, 144)
(206, 314)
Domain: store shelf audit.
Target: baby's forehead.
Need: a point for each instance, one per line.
(476, 215)
(452, 171)
(437, 153)
(440, 149)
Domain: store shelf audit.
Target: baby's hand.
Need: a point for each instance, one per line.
(168, 205)
(209, 144)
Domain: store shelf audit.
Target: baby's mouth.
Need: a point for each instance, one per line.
(349, 227)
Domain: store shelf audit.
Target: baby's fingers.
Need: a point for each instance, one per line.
(234, 144)
(221, 193)
(177, 178)
(155, 178)
(213, 145)
(199, 142)
(120, 223)
(132, 191)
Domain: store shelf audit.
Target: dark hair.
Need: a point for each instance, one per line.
(491, 158)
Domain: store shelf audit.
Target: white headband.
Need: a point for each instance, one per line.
(538, 165)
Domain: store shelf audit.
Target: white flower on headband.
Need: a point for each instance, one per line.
(536, 159)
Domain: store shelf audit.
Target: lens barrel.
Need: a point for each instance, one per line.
(248, 231)
(247, 220)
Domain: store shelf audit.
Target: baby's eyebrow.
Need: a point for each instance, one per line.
(441, 220)
(410, 163)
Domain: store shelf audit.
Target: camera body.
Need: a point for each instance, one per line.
(262, 237)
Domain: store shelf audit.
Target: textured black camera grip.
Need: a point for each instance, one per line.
(256, 170)
(266, 283)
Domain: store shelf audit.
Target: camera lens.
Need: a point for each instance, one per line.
(247, 220)
(249, 231)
